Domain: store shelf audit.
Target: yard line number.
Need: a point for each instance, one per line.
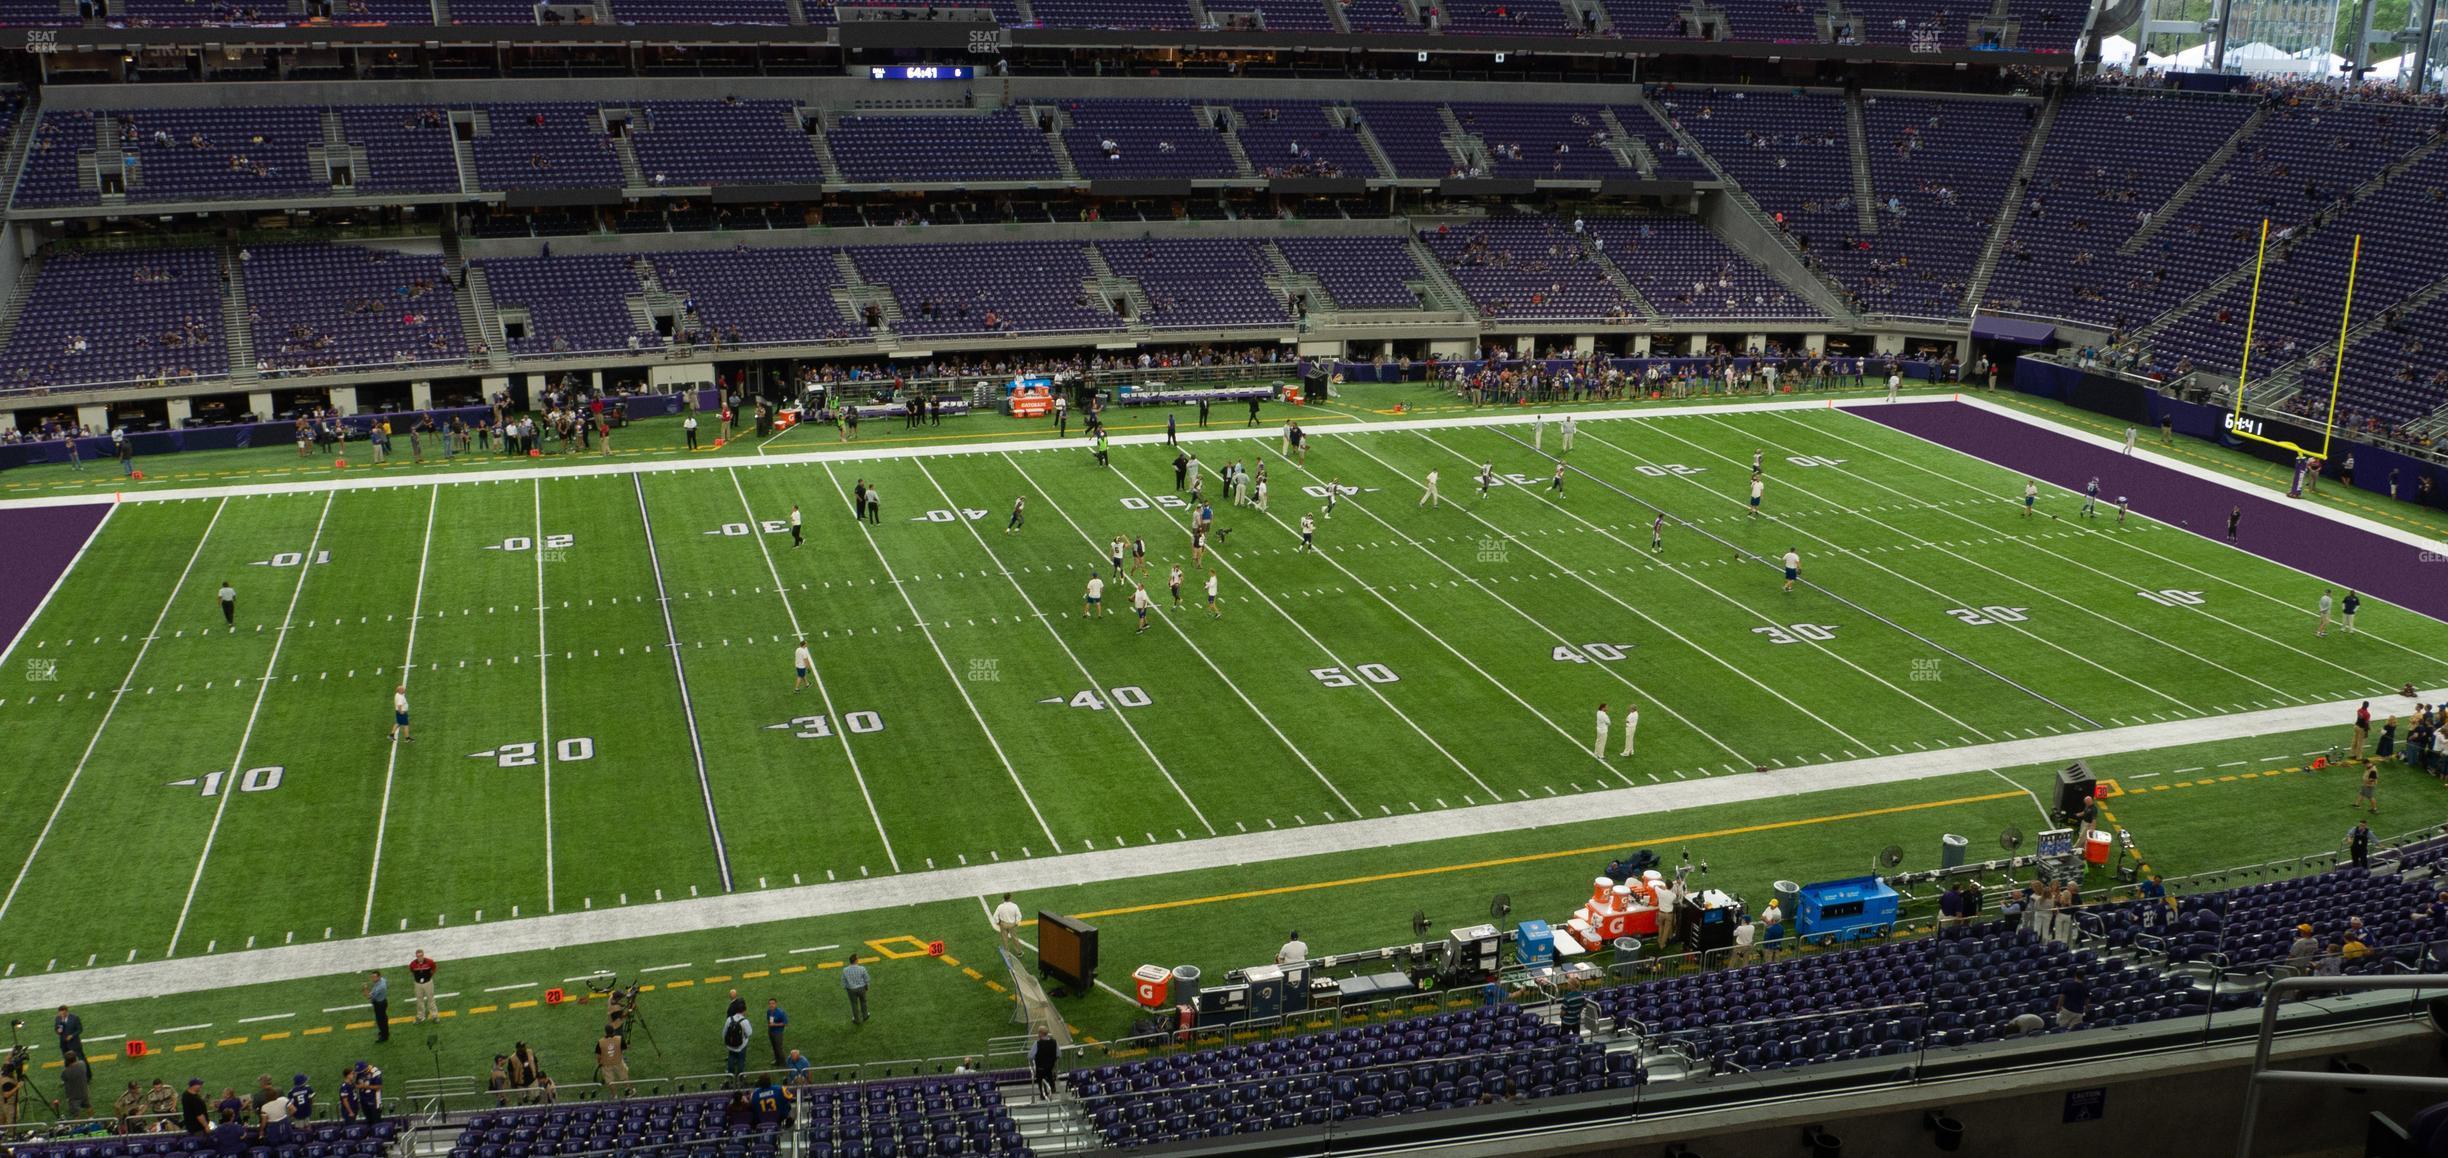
(1599, 652)
(1987, 616)
(1798, 632)
(737, 530)
(2171, 597)
(523, 754)
(821, 727)
(263, 779)
(1335, 677)
(523, 543)
(972, 514)
(1126, 696)
(291, 559)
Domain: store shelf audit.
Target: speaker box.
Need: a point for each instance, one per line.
(2074, 787)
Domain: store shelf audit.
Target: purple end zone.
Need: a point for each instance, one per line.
(2273, 527)
(38, 543)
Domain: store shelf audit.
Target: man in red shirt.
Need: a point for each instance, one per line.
(421, 973)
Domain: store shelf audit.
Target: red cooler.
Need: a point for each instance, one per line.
(2096, 849)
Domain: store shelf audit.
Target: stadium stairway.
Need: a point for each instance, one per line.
(236, 328)
(2211, 166)
(1231, 135)
(1830, 295)
(824, 147)
(1051, 1125)
(1110, 287)
(1467, 151)
(1629, 149)
(1288, 283)
(2017, 191)
(1054, 139)
(1865, 199)
(1368, 139)
(1614, 274)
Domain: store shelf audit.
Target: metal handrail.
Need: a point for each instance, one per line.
(2262, 1074)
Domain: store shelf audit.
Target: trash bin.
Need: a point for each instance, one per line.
(1185, 984)
(1627, 951)
(1951, 849)
(1788, 898)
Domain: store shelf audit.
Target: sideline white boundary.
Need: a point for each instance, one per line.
(572, 931)
(852, 452)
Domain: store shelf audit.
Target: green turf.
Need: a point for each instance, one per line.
(1422, 659)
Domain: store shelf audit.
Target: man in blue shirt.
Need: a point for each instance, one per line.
(2073, 1000)
(775, 1021)
(378, 995)
(801, 1070)
(854, 983)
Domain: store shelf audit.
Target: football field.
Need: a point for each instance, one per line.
(600, 667)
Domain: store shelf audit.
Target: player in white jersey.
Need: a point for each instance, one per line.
(1428, 491)
(1215, 607)
(1019, 512)
(1173, 580)
(1487, 477)
(1140, 603)
(1334, 491)
(1114, 552)
(1308, 534)
(1793, 568)
(1093, 604)
(1657, 534)
(399, 711)
(2031, 496)
(803, 664)
(1555, 486)
(1759, 486)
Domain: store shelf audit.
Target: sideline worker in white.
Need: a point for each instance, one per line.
(1631, 725)
(1598, 749)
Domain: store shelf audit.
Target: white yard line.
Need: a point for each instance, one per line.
(958, 684)
(1055, 633)
(565, 930)
(842, 731)
(1370, 686)
(688, 711)
(382, 816)
(238, 762)
(1490, 591)
(111, 709)
(544, 748)
(57, 581)
(2017, 628)
(1570, 738)
(1201, 653)
(1687, 577)
(2035, 545)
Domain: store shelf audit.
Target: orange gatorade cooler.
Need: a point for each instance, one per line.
(1154, 985)
(1600, 888)
(2095, 850)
